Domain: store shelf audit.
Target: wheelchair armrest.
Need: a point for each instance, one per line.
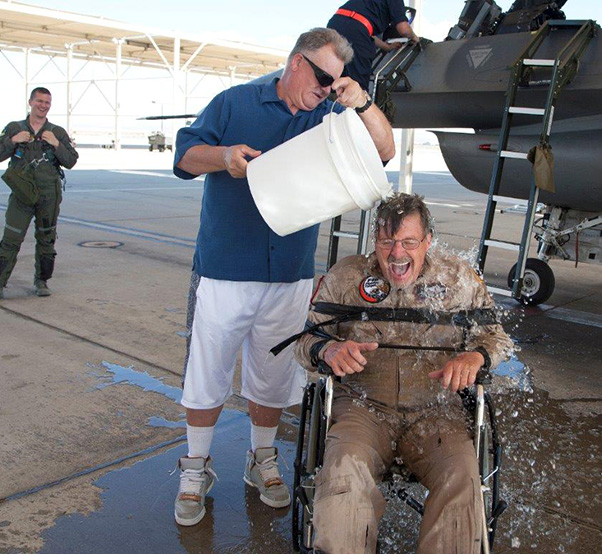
(324, 368)
(483, 377)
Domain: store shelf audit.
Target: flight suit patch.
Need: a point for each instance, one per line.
(374, 289)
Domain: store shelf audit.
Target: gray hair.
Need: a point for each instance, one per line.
(392, 211)
(316, 38)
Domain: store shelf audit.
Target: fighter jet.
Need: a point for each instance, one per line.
(463, 81)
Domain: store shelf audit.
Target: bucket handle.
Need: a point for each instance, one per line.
(330, 139)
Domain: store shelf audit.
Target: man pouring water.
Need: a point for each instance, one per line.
(250, 286)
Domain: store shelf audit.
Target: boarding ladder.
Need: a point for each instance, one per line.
(563, 69)
(389, 71)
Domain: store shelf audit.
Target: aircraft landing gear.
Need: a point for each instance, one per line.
(538, 282)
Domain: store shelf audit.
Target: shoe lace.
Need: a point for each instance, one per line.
(268, 469)
(193, 480)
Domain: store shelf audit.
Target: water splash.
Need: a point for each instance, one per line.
(517, 372)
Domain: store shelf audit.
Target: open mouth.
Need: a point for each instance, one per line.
(399, 269)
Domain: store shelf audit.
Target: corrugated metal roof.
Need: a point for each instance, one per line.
(90, 37)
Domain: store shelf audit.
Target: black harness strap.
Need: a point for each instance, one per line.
(479, 316)
(342, 313)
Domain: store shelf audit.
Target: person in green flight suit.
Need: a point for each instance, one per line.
(37, 150)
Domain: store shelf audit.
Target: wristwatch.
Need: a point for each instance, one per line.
(366, 105)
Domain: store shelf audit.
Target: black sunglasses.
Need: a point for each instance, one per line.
(324, 79)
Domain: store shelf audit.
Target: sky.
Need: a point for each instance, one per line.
(274, 23)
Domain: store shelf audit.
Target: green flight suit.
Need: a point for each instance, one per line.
(44, 163)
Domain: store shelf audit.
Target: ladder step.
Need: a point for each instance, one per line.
(345, 235)
(497, 290)
(527, 111)
(511, 154)
(540, 83)
(503, 244)
(539, 63)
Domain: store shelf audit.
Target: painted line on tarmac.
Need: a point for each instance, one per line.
(574, 316)
(138, 189)
(446, 205)
(142, 172)
(156, 237)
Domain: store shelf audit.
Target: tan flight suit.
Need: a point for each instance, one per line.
(43, 160)
(392, 408)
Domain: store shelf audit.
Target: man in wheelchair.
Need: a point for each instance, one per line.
(404, 329)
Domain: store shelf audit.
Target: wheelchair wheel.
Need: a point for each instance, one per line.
(489, 452)
(308, 459)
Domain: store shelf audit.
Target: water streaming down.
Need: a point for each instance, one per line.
(543, 447)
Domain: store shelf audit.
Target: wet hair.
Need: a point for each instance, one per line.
(38, 90)
(392, 211)
(316, 38)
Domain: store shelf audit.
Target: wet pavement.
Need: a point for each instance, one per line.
(91, 428)
(137, 507)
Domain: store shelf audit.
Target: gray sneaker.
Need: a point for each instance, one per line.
(42, 288)
(261, 471)
(196, 480)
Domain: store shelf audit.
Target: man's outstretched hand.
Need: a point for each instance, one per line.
(460, 372)
(346, 357)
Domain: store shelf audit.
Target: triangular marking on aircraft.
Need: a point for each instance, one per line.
(479, 55)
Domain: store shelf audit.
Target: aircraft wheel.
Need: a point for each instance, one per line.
(538, 282)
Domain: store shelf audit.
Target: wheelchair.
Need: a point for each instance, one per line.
(315, 421)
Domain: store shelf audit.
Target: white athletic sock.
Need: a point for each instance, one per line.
(262, 437)
(199, 441)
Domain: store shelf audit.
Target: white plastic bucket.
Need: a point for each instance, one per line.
(317, 175)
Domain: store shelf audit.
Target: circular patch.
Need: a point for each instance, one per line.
(374, 289)
(101, 244)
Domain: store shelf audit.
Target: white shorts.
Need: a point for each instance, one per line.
(256, 316)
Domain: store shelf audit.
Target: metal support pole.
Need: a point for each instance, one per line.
(69, 62)
(186, 91)
(117, 133)
(176, 94)
(406, 159)
(406, 147)
(232, 75)
(26, 79)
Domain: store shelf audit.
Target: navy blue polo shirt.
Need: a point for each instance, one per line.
(381, 13)
(234, 242)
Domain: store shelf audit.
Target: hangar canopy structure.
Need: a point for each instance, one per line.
(34, 30)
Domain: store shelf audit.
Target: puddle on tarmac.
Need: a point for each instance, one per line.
(550, 479)
(550, 473)
(146, 382)
(140, 379)
(137, 507)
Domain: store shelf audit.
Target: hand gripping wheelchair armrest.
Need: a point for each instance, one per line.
(313, 426)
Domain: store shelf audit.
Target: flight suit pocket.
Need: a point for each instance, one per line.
(333, 487)
(21, 182)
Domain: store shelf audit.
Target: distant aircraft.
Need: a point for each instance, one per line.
(462, 82)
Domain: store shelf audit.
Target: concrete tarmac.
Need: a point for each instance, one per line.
(89, 382)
